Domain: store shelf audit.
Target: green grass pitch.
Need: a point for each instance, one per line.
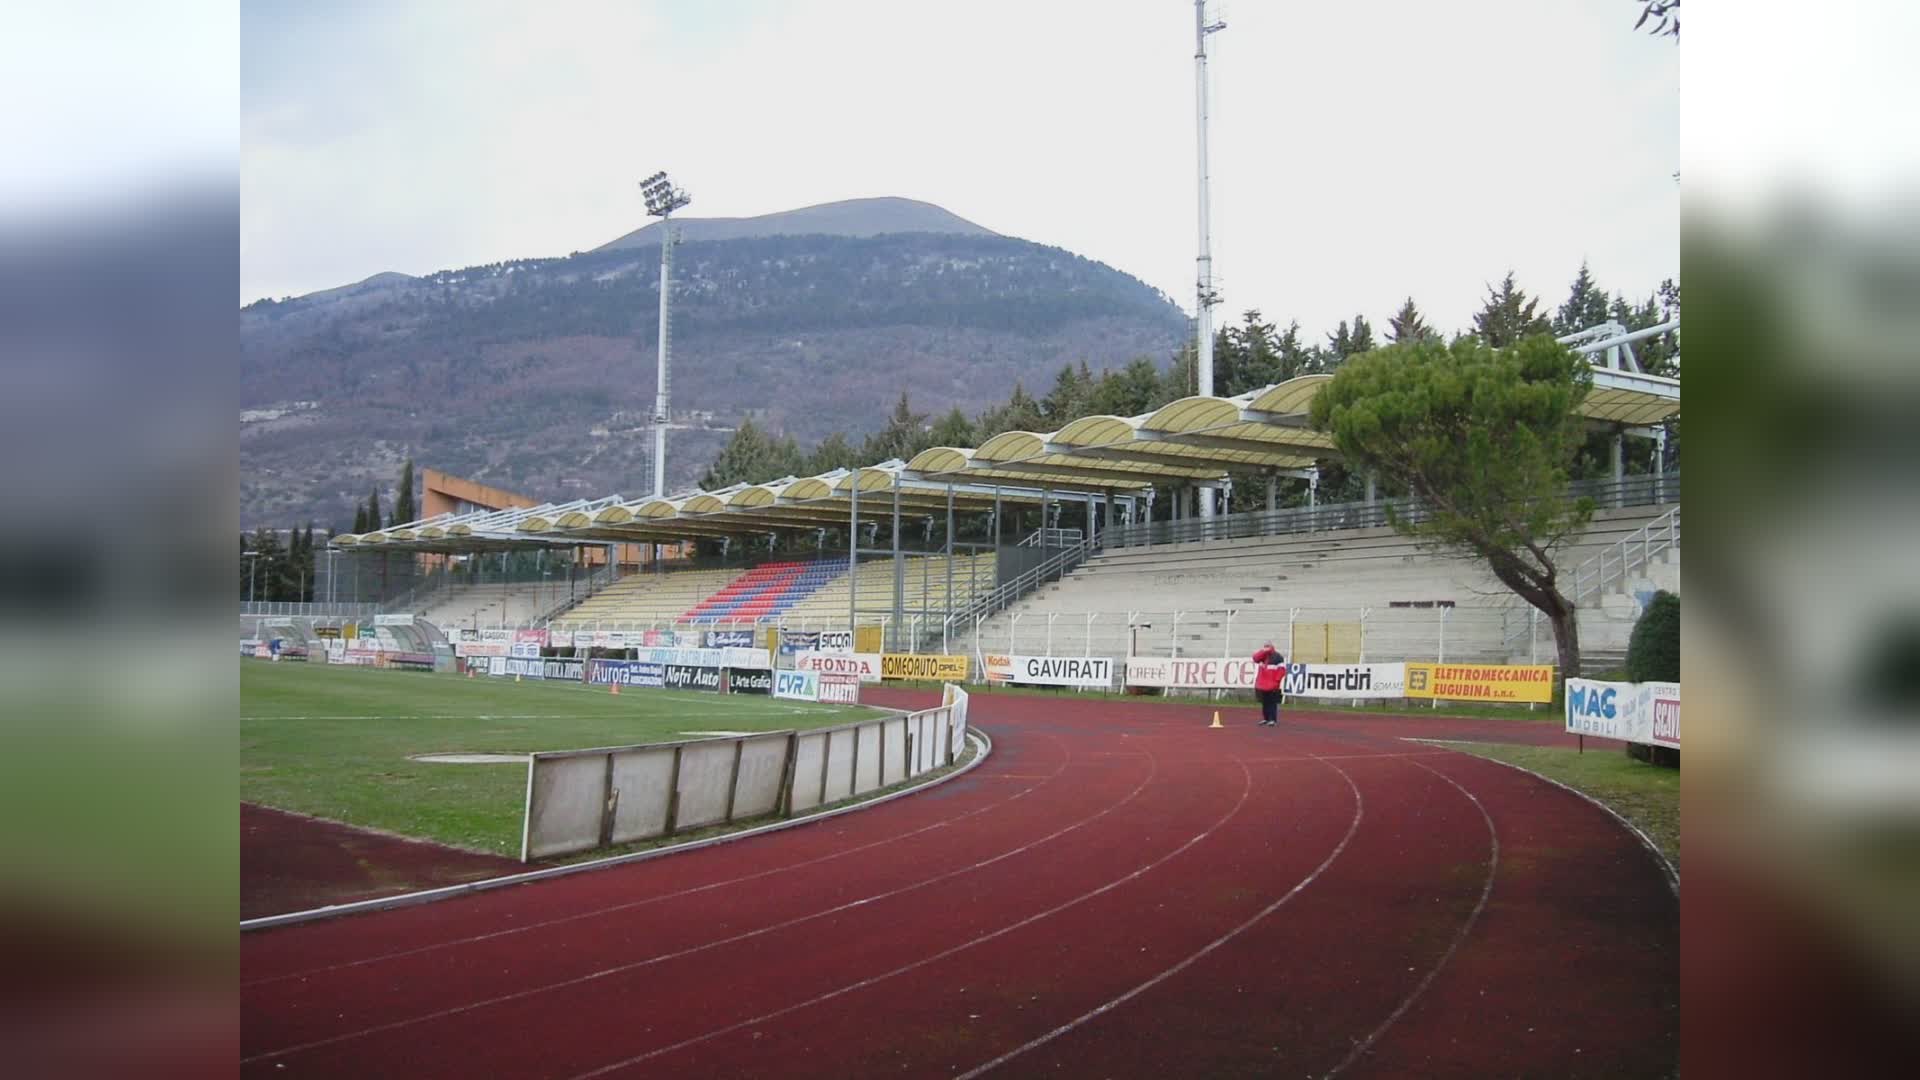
(337, 742)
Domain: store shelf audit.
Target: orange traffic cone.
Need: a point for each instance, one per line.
(1216, 720)
(616, 688)
(469, 673)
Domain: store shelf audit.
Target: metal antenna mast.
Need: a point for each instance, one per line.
(1205, 297)
(662, 200)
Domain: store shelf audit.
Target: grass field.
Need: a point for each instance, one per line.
(1647, 795)
(336, 742)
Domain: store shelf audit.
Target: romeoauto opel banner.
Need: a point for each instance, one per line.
(1090, 672)
(923, 666)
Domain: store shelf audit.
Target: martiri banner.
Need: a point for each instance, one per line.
(923, 666)
(1630, 712)
(863, 666)
(1481, 682)
(1335, 681)
(1092, 672)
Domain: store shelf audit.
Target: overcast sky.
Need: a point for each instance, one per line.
(1362, 151)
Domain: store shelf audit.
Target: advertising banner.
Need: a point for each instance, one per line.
(496, 665)
(840, 641)
(923, 666)
(560, 639)
(681, 639)
(862, 666)
(793, 642)
(797, 685)
(497, 636)
(839, 689)
(625, 673)
(685, 677)
(728, 639)
(749, 681)
(737, 656)
(326, 631)
(1631, 712)
(519, 665)
(1481, 682)
(1087, 672)
(481, 649)
(561, 669)
(1336, 681)
(405, 619)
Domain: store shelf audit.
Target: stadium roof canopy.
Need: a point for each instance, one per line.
(1195, 441)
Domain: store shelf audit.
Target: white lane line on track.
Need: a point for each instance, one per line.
(1359, 809)
(1245, 790)
(617, 969)
(1493, 867)
(577, 916)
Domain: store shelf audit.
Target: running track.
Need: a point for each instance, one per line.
(1117, 891)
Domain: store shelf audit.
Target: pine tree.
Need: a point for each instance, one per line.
(1508, 316)
(1020, 413)
(1072, 390)
(1407, 325)
(745, 458)
(1362, 336)
(403, 498)
(904, 436)
(834, 452)
(1586, 305)
(1294, 357)
(360, 519)
(1345, 342)
(954, 429)
(1130, 391)
(373, 511)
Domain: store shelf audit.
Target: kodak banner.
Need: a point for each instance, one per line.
(1481, 682)
(921, 666)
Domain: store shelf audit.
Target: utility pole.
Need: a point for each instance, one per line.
(662, 200)
(1205, 297)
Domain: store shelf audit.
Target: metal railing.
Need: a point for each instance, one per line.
(1643, 490)
(309, 611)
(1051, 538)
(1012, 591)
(1633, 552)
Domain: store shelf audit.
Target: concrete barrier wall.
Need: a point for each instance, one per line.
(578, 800)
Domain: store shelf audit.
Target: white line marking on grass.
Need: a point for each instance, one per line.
(1493, 867)
(1359, 807)
(1245, 790)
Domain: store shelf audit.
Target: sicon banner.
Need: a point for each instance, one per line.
(1631, 712)
(1481, 682)
(923, 666)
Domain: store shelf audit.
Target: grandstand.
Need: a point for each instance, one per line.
(1124, 559)
(1338, 596)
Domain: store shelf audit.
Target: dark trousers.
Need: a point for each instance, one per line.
(1269, 705)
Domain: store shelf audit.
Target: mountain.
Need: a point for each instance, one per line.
(537, 375)
(852, 217)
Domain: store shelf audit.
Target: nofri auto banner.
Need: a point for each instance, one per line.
(1333, 681)
(864, 666)
(1631, 712)
(1094, 672)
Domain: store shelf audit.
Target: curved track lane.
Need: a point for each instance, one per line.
(1117, 891)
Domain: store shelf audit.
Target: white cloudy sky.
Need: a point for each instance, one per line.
(1363, 151)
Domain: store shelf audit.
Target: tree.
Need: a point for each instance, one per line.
(1130, 391)
(1586, 305)
(1343, 342)
(1484, 438)
(1653, 649)
(904, 436)
(834, 452)
(1508, 316)
(1020, 413)
(1069, 398)
(954, 429)
(373, 511)
(746, 458)
(1407, 325)
(1245, 357)
(360, 519)
(403, 496)
(1667, 11)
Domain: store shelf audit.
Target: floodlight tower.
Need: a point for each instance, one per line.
(662, 200)
(1205, 297)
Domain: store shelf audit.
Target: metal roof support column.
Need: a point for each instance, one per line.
(1046, 500)
(1372, 485)
(1273, 490)
(946, 606)
(1660, 464)
(899, 568)
(1616, 452)
(853, 555)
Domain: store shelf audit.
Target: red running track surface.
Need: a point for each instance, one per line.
(1117, 891)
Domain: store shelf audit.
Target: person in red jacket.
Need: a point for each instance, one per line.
(1271, 672)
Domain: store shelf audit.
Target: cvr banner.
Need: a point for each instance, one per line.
(1481, 682)
(923, 666)
(862, 666)
(749, 681)
(1086, 672)
(797, 685)
(1631, 712)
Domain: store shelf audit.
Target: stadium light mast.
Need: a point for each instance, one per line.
(1205, 297)
(662, 200)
